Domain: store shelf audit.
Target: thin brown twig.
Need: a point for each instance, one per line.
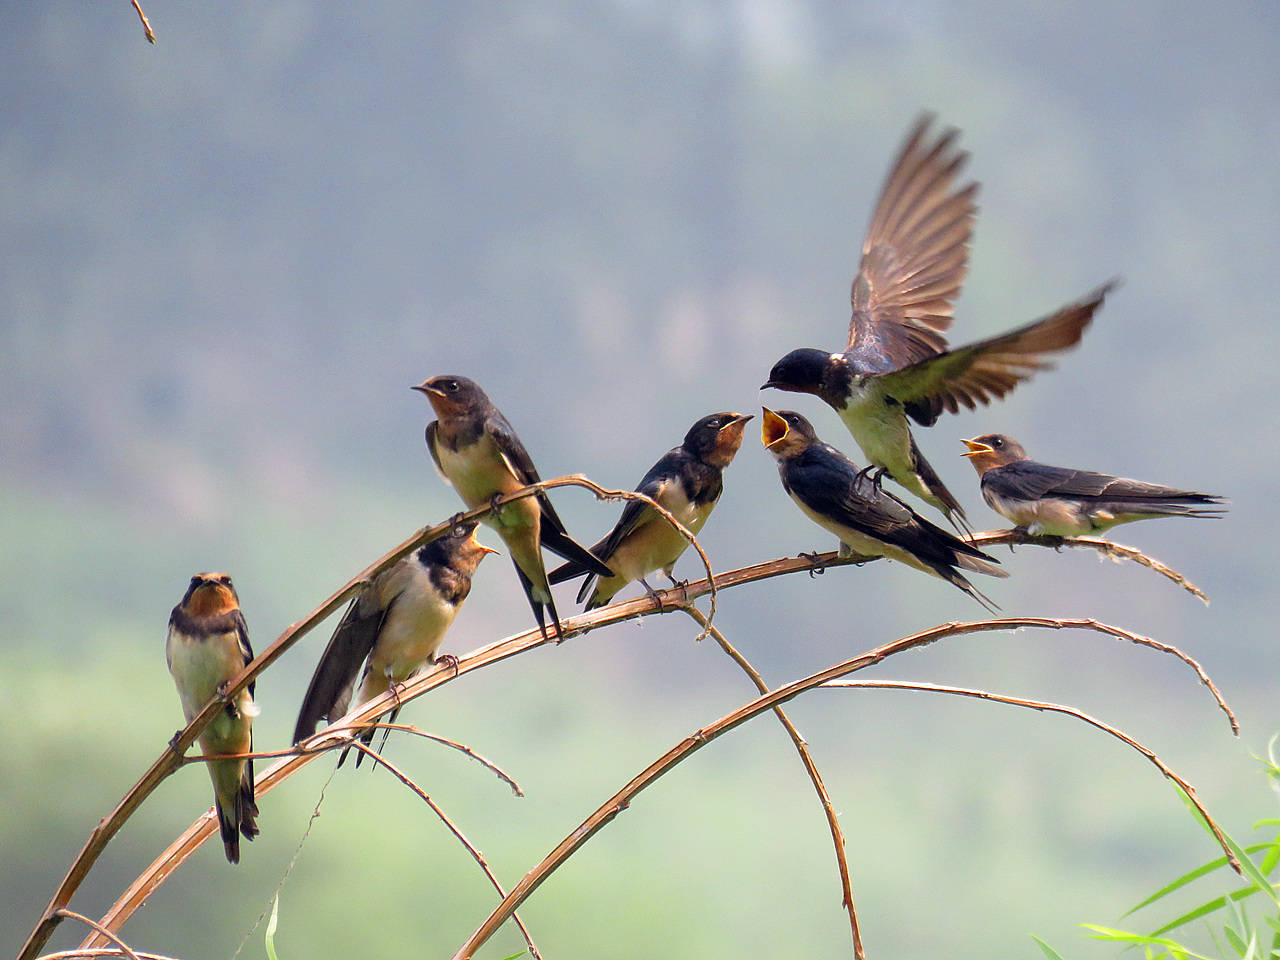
(124, 947)
(828, 808)
(699, 738)
(453, 828)
(171, 758)
(88, 953)
(146, 24)
(1116, 551)
(1041, 705)
(662, 601)
(305, 747)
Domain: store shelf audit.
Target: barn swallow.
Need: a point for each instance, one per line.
(687, 481)
(207, 647)
(1062, 502)
(831, 491)
(394, 627)
(477, 452)
(897, 363)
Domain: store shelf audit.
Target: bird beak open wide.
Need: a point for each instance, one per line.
(773, 429)
(481, 547)
(976, 448)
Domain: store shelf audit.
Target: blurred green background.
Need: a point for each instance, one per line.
(224, 259)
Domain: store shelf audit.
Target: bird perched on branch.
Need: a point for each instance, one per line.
(207, 647)
(1059, 501)
(832, 492)
(896, 363)
(394, 627)
(477, 451)
(687, 481)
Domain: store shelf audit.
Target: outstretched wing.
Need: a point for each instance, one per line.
(987, 370)
(915, 256)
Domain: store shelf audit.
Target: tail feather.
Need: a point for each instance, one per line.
(953, 576)
(946, 501)
(237, 815)
(540, 607)
(561, 544)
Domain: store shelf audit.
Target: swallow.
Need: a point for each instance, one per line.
(478, 453)
(687, 481)
(1061, 502)
(207, 647)
(896, 363)
(831, 491)
(394, 627)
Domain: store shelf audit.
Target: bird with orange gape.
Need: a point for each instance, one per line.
(896, 367)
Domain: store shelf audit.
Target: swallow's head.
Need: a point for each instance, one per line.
(210, 594)
(992, 450)
(452, 396)
(785, 433)
(458, 549)
(800, 371)
(716, 437)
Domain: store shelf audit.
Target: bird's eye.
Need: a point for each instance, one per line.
(997, 442)
(451, 386)
(713, 422)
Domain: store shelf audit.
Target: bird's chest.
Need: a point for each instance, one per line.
(880, 427)
(200, 665)
(477, 470)
(414, 629)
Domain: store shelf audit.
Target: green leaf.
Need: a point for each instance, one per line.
(1217, 903)
(271, 929)
(1049, 952)
(1186, 878)
(1138, 939)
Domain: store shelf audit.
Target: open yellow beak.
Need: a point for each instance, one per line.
(976, 448)
(480, 546)
(772, 428)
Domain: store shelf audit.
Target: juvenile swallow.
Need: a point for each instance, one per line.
(394, 627)
(832, 492)
(207, 647)
(687, 481)
(896, 363)
(477, 452)
(1062, 502)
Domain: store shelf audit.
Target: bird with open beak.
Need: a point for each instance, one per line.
(395, 627)
(687, 482)
(896, 363)
(832, 492)
(208, 647)
(478, 453)
(1062, 502)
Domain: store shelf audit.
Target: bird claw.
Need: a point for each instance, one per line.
(455, 524)
(815, 558)
(173, 742)
(449, 660)
(653, 595)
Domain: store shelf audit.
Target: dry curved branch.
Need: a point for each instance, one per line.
(91, 953)
(305, 747)
(453, 828)
(146, 24)
(699, 738)
(1116, 551)
(94, 925)
(828, 808)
